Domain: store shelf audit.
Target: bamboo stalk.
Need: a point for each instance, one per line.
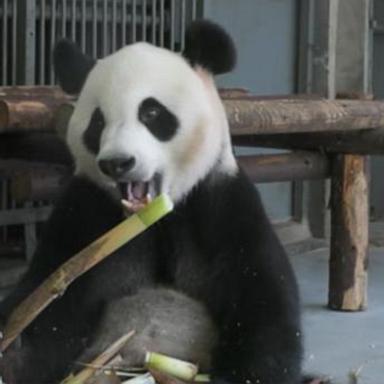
(176, 368)
(56, 284)
(99, 361)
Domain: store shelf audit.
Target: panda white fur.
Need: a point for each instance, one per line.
(210, 282)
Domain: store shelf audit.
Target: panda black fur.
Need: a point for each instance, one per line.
(164, 321)
(216, 254)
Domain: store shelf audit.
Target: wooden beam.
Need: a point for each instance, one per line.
(349, 234)
(251, 117)
(27, 114)
(365, 142)
(248, 115)
(35, 91)
(285, 167)
(29, 107)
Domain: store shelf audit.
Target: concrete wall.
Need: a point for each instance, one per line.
(265, 35)
(351, 67)
(377, 186)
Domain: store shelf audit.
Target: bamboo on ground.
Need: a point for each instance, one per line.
(99, 361)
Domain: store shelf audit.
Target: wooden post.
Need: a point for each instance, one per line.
(349, 235)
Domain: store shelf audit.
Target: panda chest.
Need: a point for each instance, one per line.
(187, 263)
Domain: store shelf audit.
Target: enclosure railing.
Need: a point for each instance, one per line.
(29, 29)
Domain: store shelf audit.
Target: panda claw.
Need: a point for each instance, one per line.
(148, 198)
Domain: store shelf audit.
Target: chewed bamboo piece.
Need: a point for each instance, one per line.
(56, 284)
(99, 361)
(179, 369)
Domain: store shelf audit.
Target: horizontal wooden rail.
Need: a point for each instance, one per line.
(364, 142)
(249, 116)
(285, 167)
(33, 108)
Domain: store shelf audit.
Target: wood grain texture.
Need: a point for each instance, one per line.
(251, 116)
(349, 233)
(33, 108)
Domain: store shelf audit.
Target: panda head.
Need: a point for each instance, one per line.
(148, 120)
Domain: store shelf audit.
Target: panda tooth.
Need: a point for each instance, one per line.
(148, 198)
(129, 191)
(152, 188)
(127, 204)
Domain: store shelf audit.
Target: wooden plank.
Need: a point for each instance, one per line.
(349, 233)
(365, 142)
(285, 167)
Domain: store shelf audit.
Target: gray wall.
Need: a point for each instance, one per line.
(265, 35)
(377, 175)
(377, 169)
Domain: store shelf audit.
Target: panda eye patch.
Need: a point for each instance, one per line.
(159, 120)
(92, 134)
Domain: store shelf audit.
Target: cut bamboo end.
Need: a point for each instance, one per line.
(179, 369)
(155, 210)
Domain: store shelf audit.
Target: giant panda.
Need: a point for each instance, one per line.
(213, 273)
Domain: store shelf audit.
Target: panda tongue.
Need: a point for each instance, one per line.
(139, 190)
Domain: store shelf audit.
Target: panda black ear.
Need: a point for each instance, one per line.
(209, 45)
(71, 66)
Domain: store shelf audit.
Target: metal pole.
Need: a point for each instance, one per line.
(27, 41)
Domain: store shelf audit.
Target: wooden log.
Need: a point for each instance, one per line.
(285, 167)
(22, 109)
(32, 91)
(349, 233)
(29, 107)
(364, 142)
(31, 114)
(251, 117)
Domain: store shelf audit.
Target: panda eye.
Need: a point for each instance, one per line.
(150, 114)
(92, 134)
(158, 119)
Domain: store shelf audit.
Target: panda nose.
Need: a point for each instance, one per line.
(117, 167)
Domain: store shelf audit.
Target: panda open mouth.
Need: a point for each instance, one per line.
(137, 194)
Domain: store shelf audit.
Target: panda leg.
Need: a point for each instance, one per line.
(164, 321)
